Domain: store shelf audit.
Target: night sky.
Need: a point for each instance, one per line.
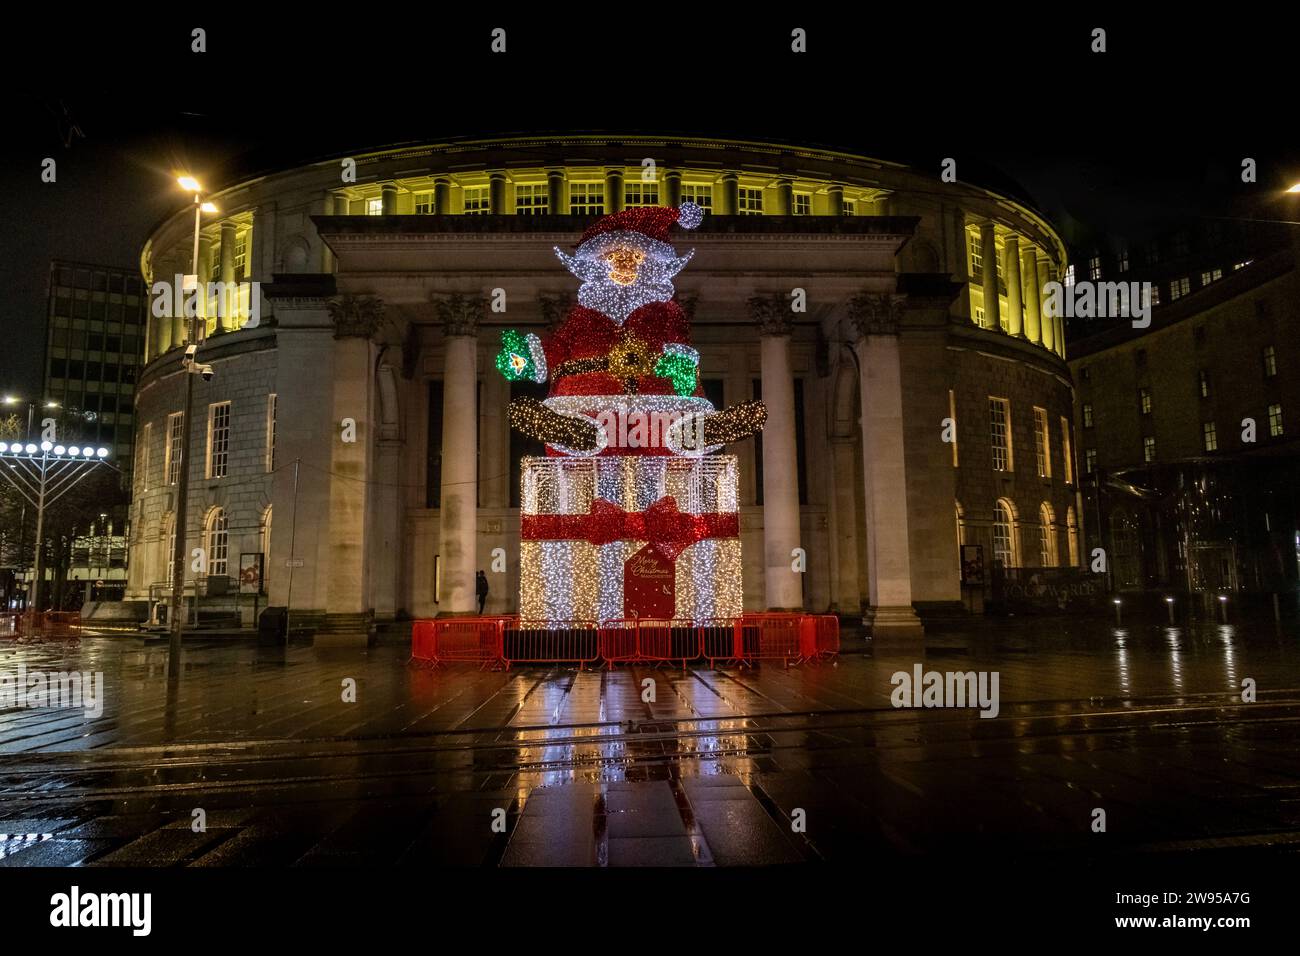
(1152, 130)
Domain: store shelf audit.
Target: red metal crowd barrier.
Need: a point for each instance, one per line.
(744, 640)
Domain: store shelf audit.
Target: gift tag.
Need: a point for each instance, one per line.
(649, 585)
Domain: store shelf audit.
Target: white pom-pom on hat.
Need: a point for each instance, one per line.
(689, 215)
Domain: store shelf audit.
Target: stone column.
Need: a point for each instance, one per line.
(227, 321)
(785, 197)
(164, 325)
(836, 196)
(497, 194)
(673, 187)
(989, 256)
(876, 321)
(341, 204)
(1048, 322)
(494, 442)
(1033, 294)
(1015, 315)
(178, 267)
(388, 198)
(441, 196)
(844, 520)
(730, 194)
(784, 586)
(1058, 327)
(344, 569)
(555, 192)
(458, 539)
(613, 190)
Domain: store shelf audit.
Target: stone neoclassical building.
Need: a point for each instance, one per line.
(864, 301)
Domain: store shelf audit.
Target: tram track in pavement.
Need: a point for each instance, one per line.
(70, 777)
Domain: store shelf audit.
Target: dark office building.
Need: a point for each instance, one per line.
(1189, 430)
(94, 350)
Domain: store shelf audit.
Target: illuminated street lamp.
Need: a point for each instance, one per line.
(190, 364)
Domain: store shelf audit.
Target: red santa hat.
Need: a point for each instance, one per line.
(650, 221)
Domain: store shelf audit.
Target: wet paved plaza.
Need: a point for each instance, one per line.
(557, 766)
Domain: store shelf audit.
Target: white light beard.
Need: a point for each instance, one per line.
(620, 301)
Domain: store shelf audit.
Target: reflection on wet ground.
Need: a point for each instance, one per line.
(558, 766)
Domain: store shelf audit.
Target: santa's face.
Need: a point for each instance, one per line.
(622, 271)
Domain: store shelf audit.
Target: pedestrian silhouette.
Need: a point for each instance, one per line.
(482, 589)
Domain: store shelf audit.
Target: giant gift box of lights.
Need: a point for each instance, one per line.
(633, 512)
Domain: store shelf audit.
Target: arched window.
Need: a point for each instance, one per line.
(1005, 548)
(1046, 536)
(1072, 536)
(216, 541)
(264, 543)
(961, 533)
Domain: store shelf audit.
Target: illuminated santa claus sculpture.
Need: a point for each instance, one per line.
(632, 513)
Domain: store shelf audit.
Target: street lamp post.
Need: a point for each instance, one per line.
(191, 367)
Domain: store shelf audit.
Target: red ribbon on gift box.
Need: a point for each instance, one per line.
(669, 531)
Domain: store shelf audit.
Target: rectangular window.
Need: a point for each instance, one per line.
(1042, 443)
(270, 432)
(218, 439)
(1123, 259)
(1204, 382)
(1269, 356)
(1094, 268)
(952, 414)
(1090, 460)
(750, 202)
(1069, 276)
(586, 199)
(1210, 436)
(1275, 421)
(478, 200)
(849, 208)
(638, 193)
(1087, 415)
(531, 199)
(1148, 449)
(424, 204)
(1144, 401)
(1153, 295)
(1067, 450)
(146, 444)
(802, 204)
(374, 207)
(976, 255)
(172, 454)
(1179, 288)
(1000, 433)
(698, 193)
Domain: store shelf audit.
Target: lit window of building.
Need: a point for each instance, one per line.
(175, 438)
(1087, 415)
(424, 203)
(1042, 443)
(216, 541)
(1069, 276)
(218, 440)
(1090, 460)
(1204, 377)
(698, 193)
(531, 199)
(976, 254)
(1153, 295)
(1067, 450)
(1179, 288)
(1004, 533)
(1000, 433)
(374, 207)
(751, 201)
(1148, 449)
(850, 208)
(586, 199)
(1269, 356)
(1210, 436)
(802, 204)
(637, 193)
(478, 200)
(1094, 268)
(1275, 421)
(1144, 400)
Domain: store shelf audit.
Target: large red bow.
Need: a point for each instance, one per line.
(669, 531)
